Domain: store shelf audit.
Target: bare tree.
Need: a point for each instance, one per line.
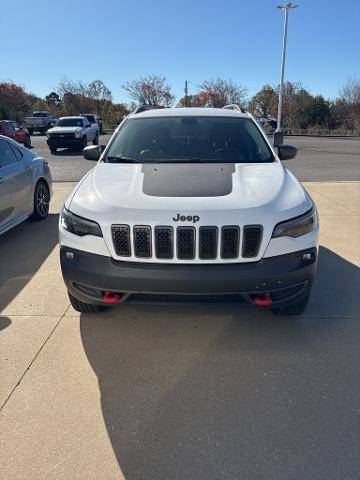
(350, 96)
(223, 92)
(98, 91)
(150, 90)
(350, 92)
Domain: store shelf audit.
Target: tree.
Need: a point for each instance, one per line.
(15, 102)
(350, 96)
(53, 100)
(219, 92)
(98, 91)
(200, 99)
(94, 97)
(150, 90)
(264, 103)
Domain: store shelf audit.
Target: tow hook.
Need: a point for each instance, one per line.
(112, 297)
(263, 300)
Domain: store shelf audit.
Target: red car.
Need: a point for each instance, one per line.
(11, 129)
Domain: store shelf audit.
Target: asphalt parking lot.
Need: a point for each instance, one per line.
(319, 159)
(193, 392)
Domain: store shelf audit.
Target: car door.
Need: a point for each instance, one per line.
(19, 133)
(15, 182)
(10, 130)
(7, 159)
(88, 129)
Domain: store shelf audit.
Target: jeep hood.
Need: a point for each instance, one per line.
(155, 193)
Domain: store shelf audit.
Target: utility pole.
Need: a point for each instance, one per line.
(279, 135)
(186, 94)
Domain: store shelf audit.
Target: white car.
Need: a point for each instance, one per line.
(189, 204)
(73, 133)
(25, 185)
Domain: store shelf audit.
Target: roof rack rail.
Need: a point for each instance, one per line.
(143, 108)
(233, 106)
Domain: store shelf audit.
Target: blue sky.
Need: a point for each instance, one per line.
(119, 40)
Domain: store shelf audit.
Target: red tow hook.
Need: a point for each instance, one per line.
(263, 300)
(112, 297)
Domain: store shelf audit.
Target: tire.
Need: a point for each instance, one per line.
(41, 201)
(31, 131)
(85, 307)
(42, 131)
(84, 143)
(294, 309)
(27, 142)
(96, 140)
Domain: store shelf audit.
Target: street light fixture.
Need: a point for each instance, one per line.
(278, 136)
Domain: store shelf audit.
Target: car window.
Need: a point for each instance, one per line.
(10, 127)
(17, 152)
(70, 122)
(201, 139)
(7, 155)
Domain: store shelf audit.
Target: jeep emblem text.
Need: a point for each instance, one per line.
(188, 218)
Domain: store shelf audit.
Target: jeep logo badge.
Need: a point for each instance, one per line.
(186, 218)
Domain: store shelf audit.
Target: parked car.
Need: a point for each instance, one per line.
(11, 129)
(25, 185)
(72, 132)
(40, 122)
(189, 204)
(94, 119)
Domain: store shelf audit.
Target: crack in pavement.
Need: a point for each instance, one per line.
(33, 360)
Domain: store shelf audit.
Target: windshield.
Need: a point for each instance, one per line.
(70, 122)
(91, 118)
(189, 139)
(40, 114)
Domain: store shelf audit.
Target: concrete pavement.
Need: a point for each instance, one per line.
(165, 392)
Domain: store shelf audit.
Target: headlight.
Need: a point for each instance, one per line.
(78, 225)
(48, 134)
(297, 226)
(78, 134)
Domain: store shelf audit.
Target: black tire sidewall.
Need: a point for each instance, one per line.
(36, 214)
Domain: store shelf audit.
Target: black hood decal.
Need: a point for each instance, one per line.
(188, 179)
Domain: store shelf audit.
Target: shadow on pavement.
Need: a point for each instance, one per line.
(22, 252)
(231, 392)
(4, 322)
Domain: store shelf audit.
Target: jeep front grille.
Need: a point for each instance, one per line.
(208, 242)
(121, 239)
(252, 240)
(187, 243)
(230, 242)
(164, 242)
(142, 241)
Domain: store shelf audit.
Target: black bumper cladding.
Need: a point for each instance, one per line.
(286, 277)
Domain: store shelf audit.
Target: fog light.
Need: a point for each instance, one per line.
(69, 255)
(307, 257)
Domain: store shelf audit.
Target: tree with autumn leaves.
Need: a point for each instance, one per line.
(301, 109)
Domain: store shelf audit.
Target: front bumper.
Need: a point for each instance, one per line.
(286, 277)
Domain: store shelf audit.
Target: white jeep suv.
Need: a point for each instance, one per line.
(189, 204)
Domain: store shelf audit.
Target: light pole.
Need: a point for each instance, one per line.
(278, 136)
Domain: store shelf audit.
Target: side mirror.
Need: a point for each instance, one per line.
(286, 152)
(92, 152)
